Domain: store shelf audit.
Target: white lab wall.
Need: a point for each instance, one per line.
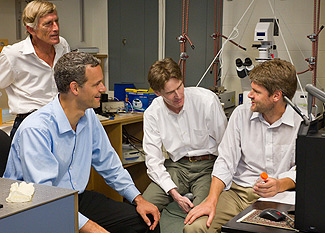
(296, 22)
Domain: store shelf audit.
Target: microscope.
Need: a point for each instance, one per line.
(264, 32)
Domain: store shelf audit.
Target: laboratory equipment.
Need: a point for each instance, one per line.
(264, 32)
(310, 160)
(228, 98)
(243, 68)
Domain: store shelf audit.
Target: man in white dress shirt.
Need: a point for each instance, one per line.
(260, 137)
(26, 68)
(188, 123)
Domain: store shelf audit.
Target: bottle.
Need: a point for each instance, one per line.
(262, 178)
(126, 103)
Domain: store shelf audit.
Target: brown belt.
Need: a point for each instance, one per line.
(200, 158)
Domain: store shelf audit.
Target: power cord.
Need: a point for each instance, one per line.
(131, 140)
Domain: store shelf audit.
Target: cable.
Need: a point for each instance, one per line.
(292, 37)
(286, 47)
(223, 45)
(131, 140)
(131, 106)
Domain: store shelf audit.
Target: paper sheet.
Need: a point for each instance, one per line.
(287, 197)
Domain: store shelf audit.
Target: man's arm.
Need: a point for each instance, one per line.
(208, 207)
(273, 186)
(6, 74)
(91, 227)
(143, 208)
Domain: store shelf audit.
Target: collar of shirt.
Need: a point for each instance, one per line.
(63, 122)
(28, 47)
(287, 118)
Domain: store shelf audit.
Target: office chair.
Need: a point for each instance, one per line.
(5, 143)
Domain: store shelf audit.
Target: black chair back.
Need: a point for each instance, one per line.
(5, 143)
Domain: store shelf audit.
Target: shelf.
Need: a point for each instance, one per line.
(133, 123)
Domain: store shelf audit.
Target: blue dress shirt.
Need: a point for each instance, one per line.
(46, 150)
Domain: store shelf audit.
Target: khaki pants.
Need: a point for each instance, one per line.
(193, 177)
(230, 203)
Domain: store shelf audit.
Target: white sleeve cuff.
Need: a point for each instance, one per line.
(82, 220)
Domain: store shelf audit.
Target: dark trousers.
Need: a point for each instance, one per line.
(112, 215)
(16, 124)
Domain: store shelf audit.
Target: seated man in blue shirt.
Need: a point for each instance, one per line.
(58, 144)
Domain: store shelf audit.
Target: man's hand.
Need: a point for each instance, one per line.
(143, 208)
(92, 227)
(184, 203)
(205, 208)
(273, 186)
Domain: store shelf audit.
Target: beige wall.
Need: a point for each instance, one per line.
(296, 22)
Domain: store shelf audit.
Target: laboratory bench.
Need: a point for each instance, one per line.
(51, 209)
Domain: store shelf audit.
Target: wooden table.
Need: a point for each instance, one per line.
(133, 124)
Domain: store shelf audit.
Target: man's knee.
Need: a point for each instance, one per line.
(156, 196)
(198, 226)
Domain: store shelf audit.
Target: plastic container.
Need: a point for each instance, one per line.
(262, 178)
(140, 98)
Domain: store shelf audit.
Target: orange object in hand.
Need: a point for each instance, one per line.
(264, 175)
(262, 178)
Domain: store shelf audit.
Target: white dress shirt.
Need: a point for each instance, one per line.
(251, 146)
(28, 80)
(196, 130)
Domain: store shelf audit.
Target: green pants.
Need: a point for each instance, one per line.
(230, 203)
(190, 177)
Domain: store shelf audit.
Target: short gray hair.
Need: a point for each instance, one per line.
(72, 67)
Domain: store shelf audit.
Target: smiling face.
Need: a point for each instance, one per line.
(261, 100)
(173, 94)
(47, 30)
(90, 92)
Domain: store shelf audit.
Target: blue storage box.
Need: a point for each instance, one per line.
(139, 99)
(119, 90)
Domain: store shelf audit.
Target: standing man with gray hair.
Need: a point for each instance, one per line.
(70, 139)
(26, 68)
